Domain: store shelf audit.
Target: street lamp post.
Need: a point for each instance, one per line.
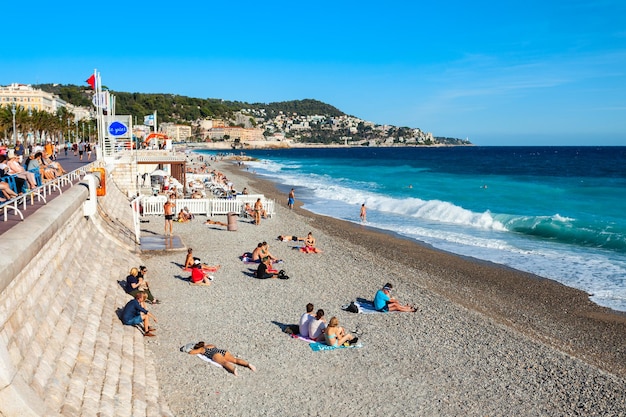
(30, 125)
(61, 130)
(13, 110)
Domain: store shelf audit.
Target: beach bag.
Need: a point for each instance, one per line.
(292, 329)
(187, 348)
(282, 274)
(352, 308)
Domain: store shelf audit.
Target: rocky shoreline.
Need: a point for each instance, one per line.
(487, 340)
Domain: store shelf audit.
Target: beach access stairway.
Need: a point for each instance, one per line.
(153, 205)
(63, 349)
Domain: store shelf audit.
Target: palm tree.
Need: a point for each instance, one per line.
(6, 121)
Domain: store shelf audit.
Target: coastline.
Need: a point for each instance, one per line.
(275, 145)
(484, 342)
(541, 308)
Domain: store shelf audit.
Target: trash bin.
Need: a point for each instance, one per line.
(232, 222)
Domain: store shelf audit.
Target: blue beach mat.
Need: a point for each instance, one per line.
(317, 346)
(365, 307)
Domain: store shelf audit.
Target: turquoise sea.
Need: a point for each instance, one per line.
(558, 212)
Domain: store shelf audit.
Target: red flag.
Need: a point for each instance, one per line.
(92, 81)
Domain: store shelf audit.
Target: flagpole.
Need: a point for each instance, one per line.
(100, 118)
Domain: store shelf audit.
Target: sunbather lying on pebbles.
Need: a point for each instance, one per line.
(221, 356)
(294, 238)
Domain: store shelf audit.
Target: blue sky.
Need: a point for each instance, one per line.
(500, 73)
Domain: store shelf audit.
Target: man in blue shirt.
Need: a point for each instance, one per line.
(384, 302)
(134, 313)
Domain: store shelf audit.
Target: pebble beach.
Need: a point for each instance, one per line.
(486, 340)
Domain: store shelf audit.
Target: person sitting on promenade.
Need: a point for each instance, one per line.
(309, 245)
(336, 335)
(265, 271)
(135, 313)
(294, 238)
(136, 283)
(317, 326)
(4, 172)
(35, 163)
(198, 276)
(55, 165)
(305, 320)
(15, 168)
(8, 193)
(384, 302)
(221, 356)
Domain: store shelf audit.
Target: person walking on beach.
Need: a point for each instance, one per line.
(363, 213)
(384, 302)
(292, 199)
(168, 210)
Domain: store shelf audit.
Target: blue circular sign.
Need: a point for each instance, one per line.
(117, 129)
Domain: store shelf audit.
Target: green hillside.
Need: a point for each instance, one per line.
(182, 109)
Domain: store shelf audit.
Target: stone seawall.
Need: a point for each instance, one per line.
(63, 349)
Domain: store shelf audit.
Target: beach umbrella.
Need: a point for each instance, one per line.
(159, 173)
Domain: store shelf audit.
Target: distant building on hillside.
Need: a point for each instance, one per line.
(29, 98)
(235, 132)
(176, 132)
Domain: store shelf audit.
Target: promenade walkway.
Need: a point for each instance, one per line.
(63, 349)
(69, 163)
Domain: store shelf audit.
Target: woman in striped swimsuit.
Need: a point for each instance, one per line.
(221, 356)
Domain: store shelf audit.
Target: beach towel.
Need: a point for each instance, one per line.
(189, 346)
(306, 249)
(246, 258)
(305, 339)
(317, 346)
(365, 307)
(204, 358)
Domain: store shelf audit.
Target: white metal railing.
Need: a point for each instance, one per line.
(136, 206)
(20, 203)
(153, 205)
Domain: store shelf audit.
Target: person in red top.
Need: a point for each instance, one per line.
(198, 277)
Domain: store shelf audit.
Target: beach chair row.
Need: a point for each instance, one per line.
(44, 189)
